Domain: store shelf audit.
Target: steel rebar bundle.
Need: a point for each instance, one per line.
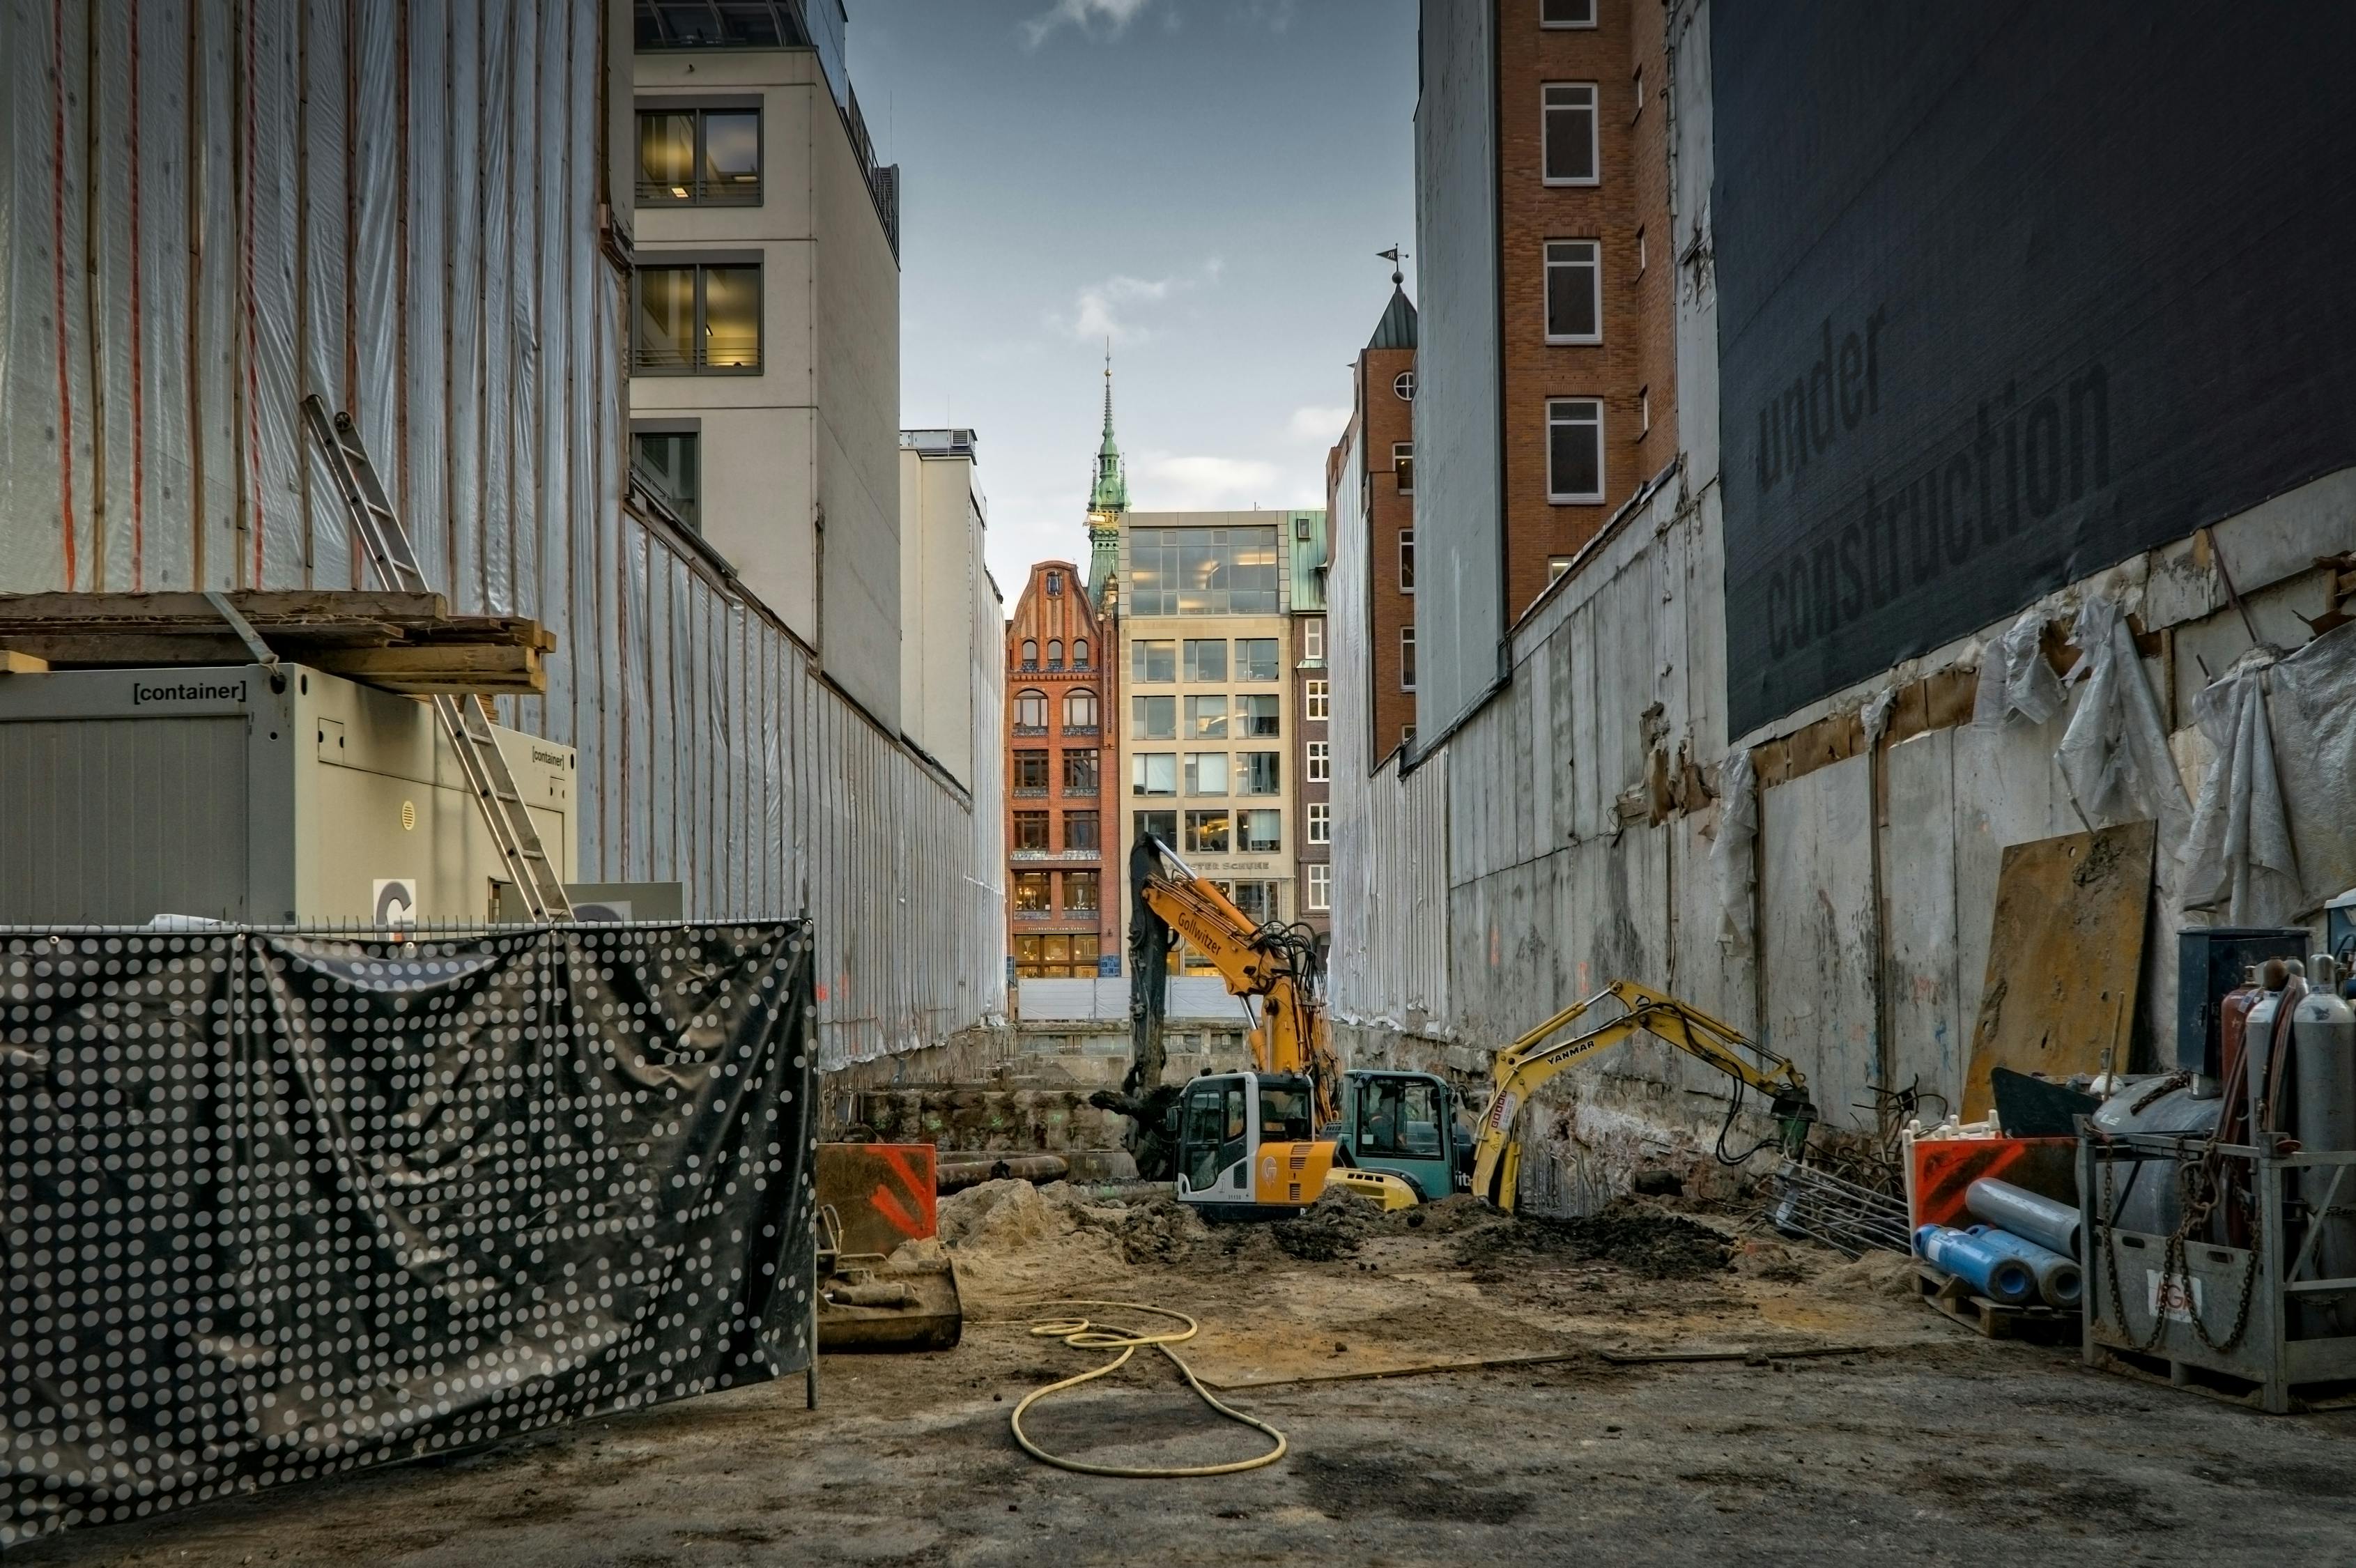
(1839, 1212)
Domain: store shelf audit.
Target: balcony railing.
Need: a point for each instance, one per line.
(1034, 913)
(1030, 792)
(1081, 729)
(1030, 729)
(732, 190)
(1080, 791)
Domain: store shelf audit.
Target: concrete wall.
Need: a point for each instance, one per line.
(1458, 594)
(1575, 845)
(941, 575)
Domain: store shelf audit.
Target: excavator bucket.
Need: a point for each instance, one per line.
(884, 1280)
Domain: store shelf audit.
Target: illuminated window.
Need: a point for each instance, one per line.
(1403, 465)
(1206, 833)
(696, 321)
(1080, 892)
(1203, 571)
(700, 158)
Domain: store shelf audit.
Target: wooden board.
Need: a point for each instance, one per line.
(402, 642)
(2065, 952)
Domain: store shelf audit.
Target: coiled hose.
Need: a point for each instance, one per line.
(1084, 1334)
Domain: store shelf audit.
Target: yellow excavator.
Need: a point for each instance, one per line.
(1537, 1055)
(1267, 1142)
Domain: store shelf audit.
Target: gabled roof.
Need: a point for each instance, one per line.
(1396, 328)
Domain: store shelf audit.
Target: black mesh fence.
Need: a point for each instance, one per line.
(283, 1203)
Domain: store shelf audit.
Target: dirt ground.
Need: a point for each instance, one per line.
(1902, 1438)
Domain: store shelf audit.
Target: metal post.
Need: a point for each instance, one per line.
(809, 1375)
(2269, 1304)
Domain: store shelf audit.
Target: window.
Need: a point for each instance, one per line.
(1321, 821)
(1154, 773)
(1163, 825)
(1152, 663)
(700, 320)
(1055, 584)
(1207, 718)
(1257, 659)
(1574, 450)
(1321, 884)
(1320, 762)
(1312, 639)
(1569, 110)
(1153, 718)
(1206, 833)
(1079, 772)
(1407, 735)
(1031, 711)
(1262, 771)
(1316, 699)
(1056, 653)
(1206, 659)
(1032, 891)
(1256, 716)
(1031, 830)
(1636, 86)
(1407, 560)
(1080, 654)
(1057, 955)
(700, 158)
(1644, 412)
(1206, 773)
(1080, 710)
(1567, 12)
(1260, 830)
(1031, 770)
(1256, 901)
(1407, 659)
(1403, 465)
(1201, 571)
(1640, 252)
(668, 463)
(1556, 566)
(1403, 386)
(1574, 291)
(1030, 653)
(1080, 890)
(1081, 829)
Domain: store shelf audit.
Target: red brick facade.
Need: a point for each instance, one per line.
(1061, 892)
(1625, 211)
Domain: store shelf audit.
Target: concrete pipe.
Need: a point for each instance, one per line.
(2043, 1220)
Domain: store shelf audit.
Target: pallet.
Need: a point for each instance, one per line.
(2037, 1325)
(2162, 1371)
(400, 642)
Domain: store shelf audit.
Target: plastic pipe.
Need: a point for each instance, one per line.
(1999, 1276)
(2059, 1279)
(2048, 1223)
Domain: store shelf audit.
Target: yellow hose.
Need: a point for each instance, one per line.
(1082, 1334)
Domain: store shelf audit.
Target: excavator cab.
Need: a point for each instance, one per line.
(1406, 1124)
(1248, 1150)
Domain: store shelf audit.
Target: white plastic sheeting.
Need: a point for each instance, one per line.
(2115, 753)
(2016, 685)
(1733, 853)
(207, 209)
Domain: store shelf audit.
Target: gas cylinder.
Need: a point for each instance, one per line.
(2258, 1044)
(2323, 1043)
(2232, 1019)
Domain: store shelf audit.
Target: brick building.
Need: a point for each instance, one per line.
(1313, 756)
(1376, 457)
(1061, 907)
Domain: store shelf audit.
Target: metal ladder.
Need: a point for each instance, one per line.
(387, 543)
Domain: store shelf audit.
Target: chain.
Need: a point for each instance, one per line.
(2198, 1194)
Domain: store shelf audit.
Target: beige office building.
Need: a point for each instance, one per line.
(1207, 754)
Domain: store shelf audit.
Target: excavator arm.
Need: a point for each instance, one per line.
(1291, 1036)
(1521, 1067)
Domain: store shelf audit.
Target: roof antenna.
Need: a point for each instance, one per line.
(1392, 256)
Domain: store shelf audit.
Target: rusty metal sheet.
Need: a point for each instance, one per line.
(882, 1192)
(2065, 956)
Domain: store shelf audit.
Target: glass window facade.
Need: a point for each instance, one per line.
(1153, 718)
(1256, 716)
(1203, 571)
(1031, 830)
(1080, 772)
(1260, 772)
(1206, 717)
(668, 463)
(1206, 833)
(1153, 662)
(1206, 773)
(1260, 832)
(1081, 831)
(1154, 773)
(1206, 659)
(1257, 659)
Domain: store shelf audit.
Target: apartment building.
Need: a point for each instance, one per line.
(1370, 486)
(764, 342)
(1207, 752)
(1546, 392)
(1312, 749)
(1061, 923)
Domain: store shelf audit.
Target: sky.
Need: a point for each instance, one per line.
(1204, 181)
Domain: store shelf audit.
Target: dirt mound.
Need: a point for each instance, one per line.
(1011, 1240)
(1636, 1237)
(1332, 1228)
(1154, 1229)
(1876, 1273)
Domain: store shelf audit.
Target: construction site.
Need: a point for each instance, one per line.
(580, 985)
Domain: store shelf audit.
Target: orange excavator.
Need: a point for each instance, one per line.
(1266, 1141)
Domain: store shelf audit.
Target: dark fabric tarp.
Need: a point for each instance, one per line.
(281, 1204)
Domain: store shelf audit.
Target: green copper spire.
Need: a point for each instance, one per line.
(1111, 492)
(1106, 500)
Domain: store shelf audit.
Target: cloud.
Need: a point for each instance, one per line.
(1084, 15)
(1110, 308)
(1312, 425)
(1170, 481)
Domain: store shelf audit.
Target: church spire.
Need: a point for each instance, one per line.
(1107, 499)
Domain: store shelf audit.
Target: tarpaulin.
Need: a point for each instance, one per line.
(2015, 679)
(2115, 753)
(282, 1204)
(2240, 859)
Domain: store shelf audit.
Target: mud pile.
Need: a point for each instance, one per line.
(1011, 1238)
(1635, 1237)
